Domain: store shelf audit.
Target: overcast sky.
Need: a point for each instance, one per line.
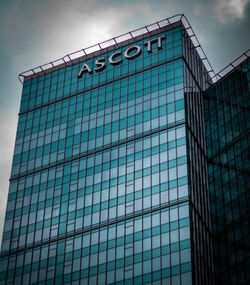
(34, 32)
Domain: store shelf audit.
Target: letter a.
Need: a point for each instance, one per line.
(85, 68)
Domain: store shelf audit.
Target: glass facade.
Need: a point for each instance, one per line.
(226, 107)
(110, 180)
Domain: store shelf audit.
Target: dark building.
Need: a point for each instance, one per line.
(226, 105)
(125, 156)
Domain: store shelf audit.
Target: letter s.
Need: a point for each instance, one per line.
(100, 63)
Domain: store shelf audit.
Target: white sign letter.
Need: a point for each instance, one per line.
(158, 40)
(134, 55)
(100, 63)
(111, 58)
(85, 68)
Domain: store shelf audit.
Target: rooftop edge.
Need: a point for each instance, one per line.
(72, 57)
(231, 66)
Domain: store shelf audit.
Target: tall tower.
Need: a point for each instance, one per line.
(109, 180)
(226, 105)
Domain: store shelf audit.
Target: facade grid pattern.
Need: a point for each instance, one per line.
(99, 186)
(115, 172)
(227, 135)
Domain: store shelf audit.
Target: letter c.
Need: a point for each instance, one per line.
(115, 62)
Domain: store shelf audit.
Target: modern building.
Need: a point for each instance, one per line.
(226, 107)
(124, 155)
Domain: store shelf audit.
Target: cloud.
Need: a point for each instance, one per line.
(57, 28)
(230, 10)
(198, 10)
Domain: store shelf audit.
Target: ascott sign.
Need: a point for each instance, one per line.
(117, 57)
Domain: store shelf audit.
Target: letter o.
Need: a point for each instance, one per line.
(134, 55)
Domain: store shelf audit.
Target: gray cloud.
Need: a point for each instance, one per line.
(45, 32)
(230, 10)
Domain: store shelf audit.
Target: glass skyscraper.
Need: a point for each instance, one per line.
(228, 150)
(117, 162)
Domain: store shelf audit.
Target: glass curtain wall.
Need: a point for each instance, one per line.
(226, 106)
